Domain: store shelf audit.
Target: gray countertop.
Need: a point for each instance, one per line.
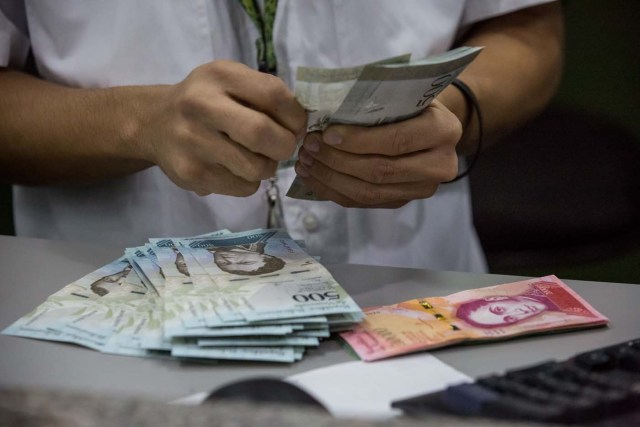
(32, 269)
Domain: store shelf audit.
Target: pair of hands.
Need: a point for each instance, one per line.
(225, 127)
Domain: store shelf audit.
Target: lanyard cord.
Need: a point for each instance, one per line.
(264, 23)
(267, 64)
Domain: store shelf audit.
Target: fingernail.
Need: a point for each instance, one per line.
(305, 158)
(332, 137)
(312, 144)
(300, 170)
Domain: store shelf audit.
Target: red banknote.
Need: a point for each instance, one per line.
(526, 307)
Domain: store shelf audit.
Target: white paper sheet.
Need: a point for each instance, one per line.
(365, 390)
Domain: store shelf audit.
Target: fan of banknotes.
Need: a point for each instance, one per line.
(255, 295)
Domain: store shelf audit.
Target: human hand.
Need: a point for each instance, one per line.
(382, 166)
(223, 129)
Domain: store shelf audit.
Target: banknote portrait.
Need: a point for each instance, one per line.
(496, 311)
(181, 264)
(106, 284)
(246, 260)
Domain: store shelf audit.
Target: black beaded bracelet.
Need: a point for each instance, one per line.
(470, 97)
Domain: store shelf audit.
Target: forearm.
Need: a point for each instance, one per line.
(53, 134)
(516, 74)
(221, 130)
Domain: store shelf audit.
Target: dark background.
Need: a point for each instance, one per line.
(584, 167)
(601, 81)
(603, 76)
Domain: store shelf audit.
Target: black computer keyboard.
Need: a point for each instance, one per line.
(596, 388)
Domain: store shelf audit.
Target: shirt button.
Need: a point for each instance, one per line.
(310, 222)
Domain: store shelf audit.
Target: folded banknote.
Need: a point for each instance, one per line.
(387, 91)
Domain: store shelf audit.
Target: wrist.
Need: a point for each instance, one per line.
(472, 101)
(138, 106)
(455, 101)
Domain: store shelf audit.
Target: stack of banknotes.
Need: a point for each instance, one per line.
(530, 306)
(255, 295)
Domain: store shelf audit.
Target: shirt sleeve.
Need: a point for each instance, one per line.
(14, 35)
(479, 10)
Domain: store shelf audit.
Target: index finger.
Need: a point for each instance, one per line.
(270, 95)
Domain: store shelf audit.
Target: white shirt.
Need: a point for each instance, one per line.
(96, 43)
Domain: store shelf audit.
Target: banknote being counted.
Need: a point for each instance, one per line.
(530, 306)
(383, 92)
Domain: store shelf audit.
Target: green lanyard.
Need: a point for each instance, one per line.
(264, 23)
(267, 64)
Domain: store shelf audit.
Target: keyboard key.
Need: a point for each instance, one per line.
(468, 399)
(628, 359)
(595, 361)
(517, 408)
